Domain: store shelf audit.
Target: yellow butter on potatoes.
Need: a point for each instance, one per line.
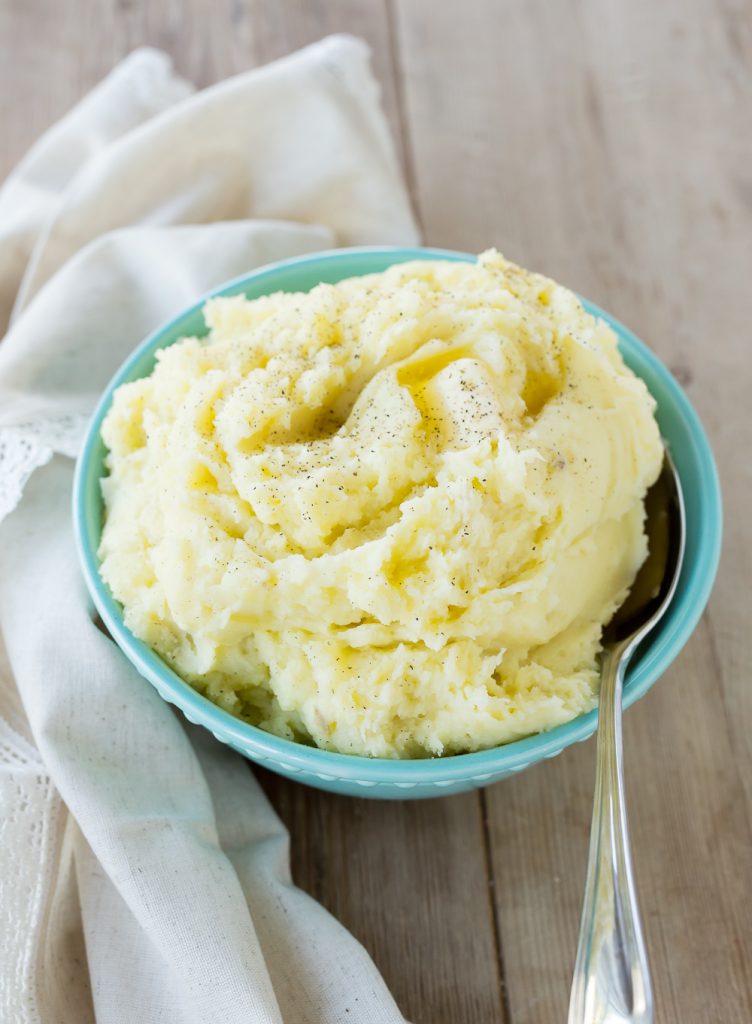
(390, 516)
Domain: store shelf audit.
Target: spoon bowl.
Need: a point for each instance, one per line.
(658, 577)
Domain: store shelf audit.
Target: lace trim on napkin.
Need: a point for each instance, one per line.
(27, 446)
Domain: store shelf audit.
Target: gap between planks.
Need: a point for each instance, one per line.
(495, 923)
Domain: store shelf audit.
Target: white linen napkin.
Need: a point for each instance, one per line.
(143, 875)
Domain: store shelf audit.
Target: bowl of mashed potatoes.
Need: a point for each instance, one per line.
(364, 515)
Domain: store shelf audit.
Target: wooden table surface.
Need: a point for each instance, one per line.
(609, 145)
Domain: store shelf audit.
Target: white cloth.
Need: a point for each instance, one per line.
(143, 875)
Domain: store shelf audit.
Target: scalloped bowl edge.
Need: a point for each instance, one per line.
(394, 779)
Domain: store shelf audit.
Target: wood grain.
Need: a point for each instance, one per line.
(606, 144)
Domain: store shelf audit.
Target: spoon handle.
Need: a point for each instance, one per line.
(611, 983)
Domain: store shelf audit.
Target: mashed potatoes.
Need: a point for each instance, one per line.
(390, 516)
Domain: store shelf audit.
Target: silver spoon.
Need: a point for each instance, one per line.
(611, 983)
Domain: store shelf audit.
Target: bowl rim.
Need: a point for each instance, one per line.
(298, 757)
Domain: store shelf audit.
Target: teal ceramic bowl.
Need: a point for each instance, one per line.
(361, 776)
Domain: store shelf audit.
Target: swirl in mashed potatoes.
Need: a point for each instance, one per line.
(390, 516)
